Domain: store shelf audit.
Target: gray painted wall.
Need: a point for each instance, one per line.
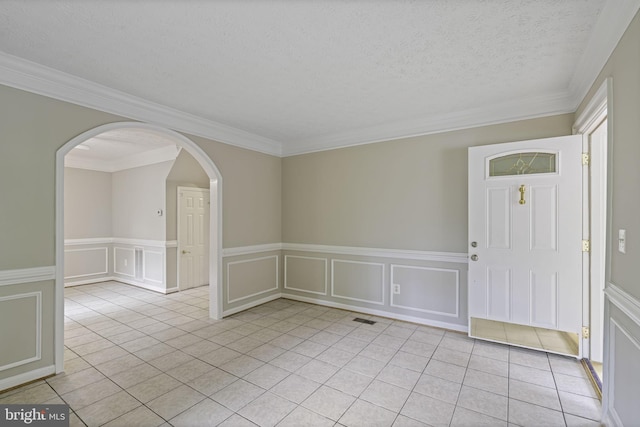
(404, 194)
(87, 200)
(138, 193)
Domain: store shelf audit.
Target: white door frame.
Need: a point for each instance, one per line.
(178, 217)
(598, 108)
(215, 223)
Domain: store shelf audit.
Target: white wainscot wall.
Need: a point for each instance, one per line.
(251, 277)
(621, 386)
(136, 262)
(423, 287)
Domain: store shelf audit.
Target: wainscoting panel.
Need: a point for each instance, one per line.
(305, 274)
(433, 285)
(21, 345)
(86, 262)
(248, 278)
(622, 376)
(124, 261)
(153, 266)
(426, 289)
(357, 281)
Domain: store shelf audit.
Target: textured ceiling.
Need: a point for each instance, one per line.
(304, 72)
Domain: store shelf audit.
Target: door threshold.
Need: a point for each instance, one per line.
(547, 340)
(594, 375)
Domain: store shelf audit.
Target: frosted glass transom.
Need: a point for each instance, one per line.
(523, 164)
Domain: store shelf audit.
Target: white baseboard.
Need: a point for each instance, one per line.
(26, 377)
(125, 281)
(251, 304)
(381, 313)
(88, 281)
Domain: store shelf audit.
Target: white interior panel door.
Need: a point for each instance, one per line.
(525, 232)
(193, 237)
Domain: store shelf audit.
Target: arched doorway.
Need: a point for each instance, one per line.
(215, 222)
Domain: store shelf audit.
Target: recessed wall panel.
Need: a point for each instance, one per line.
(305, 274)
(85, 262)
(358, 281)
(154, 266)
(624, 353)
(251, 277)
(20, 345)
(124, 261)
(425, 289)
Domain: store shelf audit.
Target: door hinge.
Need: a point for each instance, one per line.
(586, 246)
(585, 159)
(585, 332)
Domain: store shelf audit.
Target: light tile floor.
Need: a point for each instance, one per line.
(137, 358)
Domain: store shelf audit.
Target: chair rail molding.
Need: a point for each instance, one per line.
(27, 275)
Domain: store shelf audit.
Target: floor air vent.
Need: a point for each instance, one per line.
(368, 322)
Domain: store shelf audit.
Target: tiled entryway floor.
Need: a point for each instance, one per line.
(137, 358)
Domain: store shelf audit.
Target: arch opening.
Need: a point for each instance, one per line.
(215, 221)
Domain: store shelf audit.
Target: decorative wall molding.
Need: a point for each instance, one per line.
(286, 284)
(140, 242)
(38, 335)
(611, 410)
(344, 261)
(121, 241)
(89, 241)
(520, 109)
(275, 288)
(250, 250)
(96, 273)
(454, 257)
(132, 258)
(380, 313)
(30, 76)
(148, 274)
(629, 305)
(456, 274)
(139, 284)
(27, 275)
(251, 305)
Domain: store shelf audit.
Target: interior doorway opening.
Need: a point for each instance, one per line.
(214, 225)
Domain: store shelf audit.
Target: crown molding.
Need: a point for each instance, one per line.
(521, 109)
(614, 19)
(39, 79)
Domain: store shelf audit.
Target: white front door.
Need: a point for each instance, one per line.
(525, 233)
(193, 237)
